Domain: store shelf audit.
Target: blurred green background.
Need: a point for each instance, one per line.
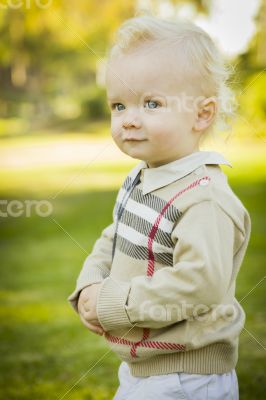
(55, 146)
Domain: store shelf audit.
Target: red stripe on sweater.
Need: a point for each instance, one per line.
(154, 229)
(150, 269)
(148, 344)
(146, 334)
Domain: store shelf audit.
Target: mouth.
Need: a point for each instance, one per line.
(132, 139)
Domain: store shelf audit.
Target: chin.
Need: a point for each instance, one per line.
(134, 153)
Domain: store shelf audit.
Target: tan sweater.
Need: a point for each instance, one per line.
(168, 299)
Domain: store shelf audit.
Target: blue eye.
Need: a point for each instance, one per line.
(153, 104)
(116, 107)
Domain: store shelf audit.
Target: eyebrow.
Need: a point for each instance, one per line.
(113, 98)
(116, 98)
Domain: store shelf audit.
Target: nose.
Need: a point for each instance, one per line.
(131, 119)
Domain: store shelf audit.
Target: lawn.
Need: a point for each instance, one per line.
(45, 351)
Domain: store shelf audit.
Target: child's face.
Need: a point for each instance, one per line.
(151, 100)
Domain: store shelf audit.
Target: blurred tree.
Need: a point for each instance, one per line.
(251, 82)
(202, 6)
(254, 59)
(49, 55)
(52, 51)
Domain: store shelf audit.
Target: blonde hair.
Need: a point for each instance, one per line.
(201, 54)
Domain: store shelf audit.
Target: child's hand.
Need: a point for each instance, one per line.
(87, 308)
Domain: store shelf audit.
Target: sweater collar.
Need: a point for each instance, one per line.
(155, 178)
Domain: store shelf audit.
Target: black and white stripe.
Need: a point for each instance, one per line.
(137, 218)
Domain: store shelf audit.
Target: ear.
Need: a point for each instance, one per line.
(206, 113)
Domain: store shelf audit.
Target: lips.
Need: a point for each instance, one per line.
(134, 139)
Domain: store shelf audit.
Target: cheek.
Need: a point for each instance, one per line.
(161, 130)
(155, 126)
(165, 136)
(116, 130)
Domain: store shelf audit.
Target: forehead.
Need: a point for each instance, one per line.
(146, 70)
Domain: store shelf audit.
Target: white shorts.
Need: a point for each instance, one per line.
(178, 386)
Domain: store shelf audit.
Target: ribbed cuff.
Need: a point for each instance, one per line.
(111, 303)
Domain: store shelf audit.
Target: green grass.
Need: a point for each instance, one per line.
(45, 349)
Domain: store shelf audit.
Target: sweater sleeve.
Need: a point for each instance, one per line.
(97, 265)
(206, 240)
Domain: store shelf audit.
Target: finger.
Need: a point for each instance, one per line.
(86, 306)
(83, 300)
(83, 297)
(93, 328)
(94, 322)
(80, 304)
(85, 311)
(88, 315)
(96, 329)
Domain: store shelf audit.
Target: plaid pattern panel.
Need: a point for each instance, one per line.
(135, 225)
